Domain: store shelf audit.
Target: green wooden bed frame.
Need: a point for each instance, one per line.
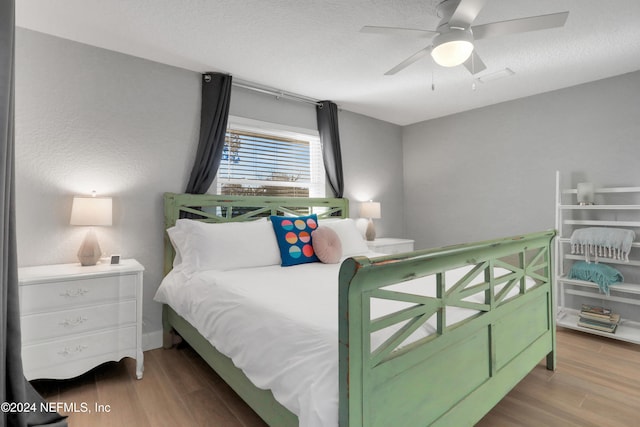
(451, 378)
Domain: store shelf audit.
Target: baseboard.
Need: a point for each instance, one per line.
(152, 340)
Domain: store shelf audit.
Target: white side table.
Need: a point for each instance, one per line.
(74, 318)
(390, 245)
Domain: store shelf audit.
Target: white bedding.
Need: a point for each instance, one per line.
(280, 326)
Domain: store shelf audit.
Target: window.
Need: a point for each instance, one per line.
(270, 162)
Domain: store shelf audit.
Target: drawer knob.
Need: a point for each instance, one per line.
(70, 351)
(70, 323)
(72, 293)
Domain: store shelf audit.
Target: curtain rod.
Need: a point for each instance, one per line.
(275, 92)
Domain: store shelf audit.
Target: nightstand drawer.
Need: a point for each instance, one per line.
(397, 248)
(390, 245)
(72, 293)
(36, 327)
(71, 357)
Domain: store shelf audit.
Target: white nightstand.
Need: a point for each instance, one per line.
(390, 245)
(74, 318)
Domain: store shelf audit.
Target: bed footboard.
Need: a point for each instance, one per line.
(454, 376)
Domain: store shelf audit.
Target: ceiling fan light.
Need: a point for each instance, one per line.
(452, 48)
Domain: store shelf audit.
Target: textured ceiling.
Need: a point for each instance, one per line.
(314, 47)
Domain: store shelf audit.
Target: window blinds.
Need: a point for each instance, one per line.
(262, 164)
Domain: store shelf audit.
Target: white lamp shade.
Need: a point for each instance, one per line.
(91, 211)
(370, 210)
(452, 48)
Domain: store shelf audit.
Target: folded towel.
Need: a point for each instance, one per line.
(601, 274)
(602, 241)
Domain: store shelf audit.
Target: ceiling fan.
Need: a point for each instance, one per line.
(453, 40)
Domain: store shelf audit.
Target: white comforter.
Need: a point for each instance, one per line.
(280, 326)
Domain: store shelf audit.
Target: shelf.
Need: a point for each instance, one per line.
(602, 223)
(606, 190)
(602, 297)
(600, 207)
(630, 288)
(624, 296)
(603, 260)
(627, 330)
(568, 240)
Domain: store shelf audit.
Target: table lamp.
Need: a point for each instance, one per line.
(91, 211)
(370, 210)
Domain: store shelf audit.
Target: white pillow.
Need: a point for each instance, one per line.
(352, 241)
(177, 238)
(224, 246)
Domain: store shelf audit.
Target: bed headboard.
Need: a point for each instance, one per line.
(217, 208)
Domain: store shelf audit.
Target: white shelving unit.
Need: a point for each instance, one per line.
(624, 298)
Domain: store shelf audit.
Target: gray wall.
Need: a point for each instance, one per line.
(491, 172)
(371, 153)
(373, 169)
(91, 119)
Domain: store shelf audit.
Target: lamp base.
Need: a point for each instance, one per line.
(89, 252)
(370, 234)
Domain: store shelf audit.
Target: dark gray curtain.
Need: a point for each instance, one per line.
(15, 387)
(216, 93)
(327, 114)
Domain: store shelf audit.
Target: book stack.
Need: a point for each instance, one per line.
(598, 318)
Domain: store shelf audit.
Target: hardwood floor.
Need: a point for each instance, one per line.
(597, 383)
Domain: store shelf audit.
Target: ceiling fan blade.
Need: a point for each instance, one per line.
(371, 29)
(474, 64)
(532, 23)
(466, 12)
(410, 60)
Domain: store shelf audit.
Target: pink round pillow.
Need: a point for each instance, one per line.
(326, 245)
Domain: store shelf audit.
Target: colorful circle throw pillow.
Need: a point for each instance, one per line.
(294, 238)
